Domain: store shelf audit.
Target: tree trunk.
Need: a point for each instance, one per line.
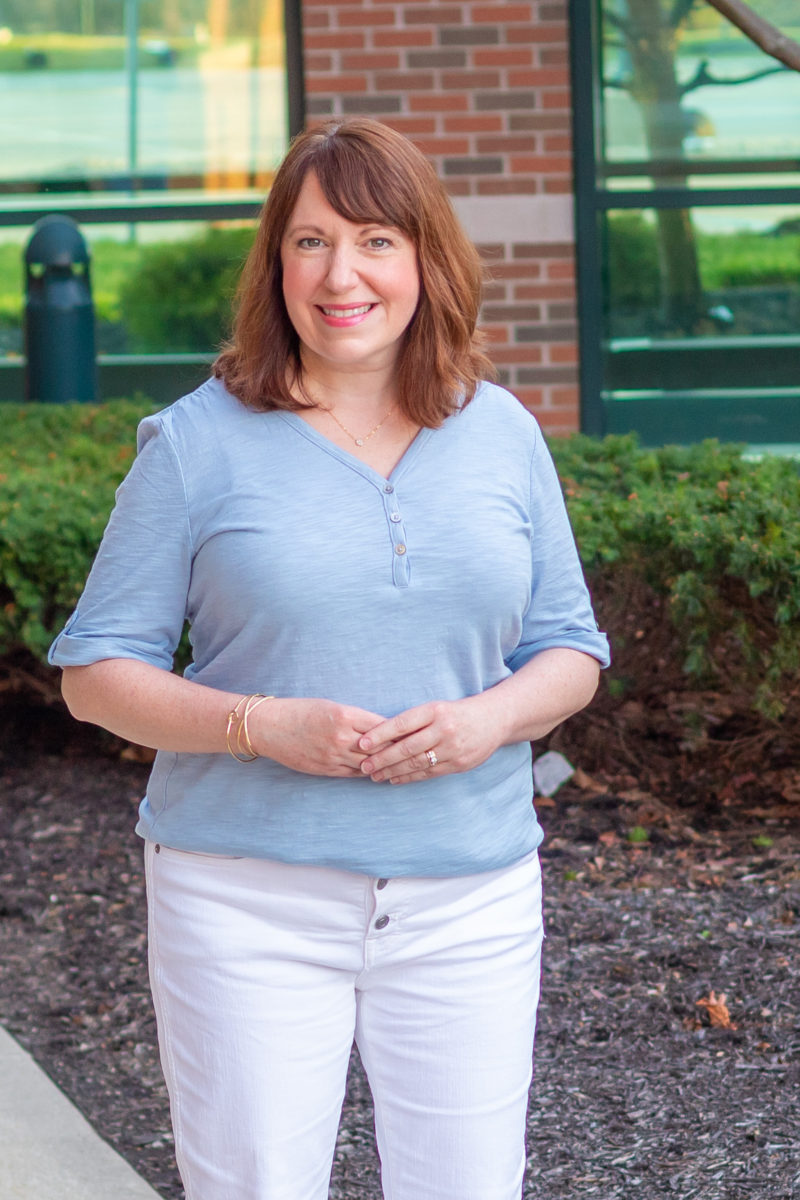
(651, 44)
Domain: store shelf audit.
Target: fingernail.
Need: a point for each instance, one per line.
(365, 744)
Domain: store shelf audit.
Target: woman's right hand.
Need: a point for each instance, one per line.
(317, 737)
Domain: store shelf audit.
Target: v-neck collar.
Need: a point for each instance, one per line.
(349, 460)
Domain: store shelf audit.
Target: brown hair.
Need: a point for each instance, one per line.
(368, 173)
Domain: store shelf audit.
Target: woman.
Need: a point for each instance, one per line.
(386, 607)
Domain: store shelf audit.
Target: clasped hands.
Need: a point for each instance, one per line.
(321, 737)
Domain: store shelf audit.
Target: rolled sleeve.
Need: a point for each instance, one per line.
(560, 612)
(135, 599)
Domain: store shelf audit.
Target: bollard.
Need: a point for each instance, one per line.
(59, 315)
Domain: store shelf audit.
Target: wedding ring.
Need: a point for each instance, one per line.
(431, 757)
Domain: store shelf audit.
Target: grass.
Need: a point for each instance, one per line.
(81, 52)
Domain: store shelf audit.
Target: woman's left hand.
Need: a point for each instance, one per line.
(443, 737)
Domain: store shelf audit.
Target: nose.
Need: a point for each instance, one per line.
(342, 273)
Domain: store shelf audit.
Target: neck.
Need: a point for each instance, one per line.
(363, 391)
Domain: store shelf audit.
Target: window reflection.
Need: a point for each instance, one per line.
(682, 82)
(113, 95)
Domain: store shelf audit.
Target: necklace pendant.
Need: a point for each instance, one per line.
(359, 441)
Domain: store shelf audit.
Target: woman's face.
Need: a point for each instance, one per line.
(350, 290)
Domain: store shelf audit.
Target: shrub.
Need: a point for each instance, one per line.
(179, 298)
(692, 553)
(59, 467)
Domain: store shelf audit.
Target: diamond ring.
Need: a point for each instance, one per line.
(431, 757)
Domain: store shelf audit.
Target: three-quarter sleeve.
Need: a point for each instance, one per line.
(560, 611)
(135, 599)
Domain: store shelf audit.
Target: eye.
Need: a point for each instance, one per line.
(380, 243)
(309, 243)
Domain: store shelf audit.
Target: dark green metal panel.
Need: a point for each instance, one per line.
(740, 388)
(756, 417)
(162, 377)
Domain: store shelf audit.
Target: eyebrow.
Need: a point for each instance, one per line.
(318, 231)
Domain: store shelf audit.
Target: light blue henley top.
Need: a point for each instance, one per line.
(303, 572)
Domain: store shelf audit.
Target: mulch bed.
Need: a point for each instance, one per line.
(668, 1051)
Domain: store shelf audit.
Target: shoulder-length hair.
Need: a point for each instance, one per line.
(369, 174)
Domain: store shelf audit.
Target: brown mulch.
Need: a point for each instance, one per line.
(668, 1051)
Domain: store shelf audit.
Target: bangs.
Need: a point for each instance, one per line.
(364, 190)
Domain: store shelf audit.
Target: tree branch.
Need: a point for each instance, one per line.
(765, 35)
(703, 78)
(680, 11)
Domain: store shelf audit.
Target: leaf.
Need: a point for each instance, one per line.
(717, 1010)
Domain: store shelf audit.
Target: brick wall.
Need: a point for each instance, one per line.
(482, 86)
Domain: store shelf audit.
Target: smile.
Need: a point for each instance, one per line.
(354, 311)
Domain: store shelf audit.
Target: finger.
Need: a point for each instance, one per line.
(408, 755)
(397, 728)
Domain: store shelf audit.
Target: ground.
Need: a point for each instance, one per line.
(668, 1048)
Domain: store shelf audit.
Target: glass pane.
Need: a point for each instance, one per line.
(731, 273)
(160, 288)
(682, 83)
(111, 95)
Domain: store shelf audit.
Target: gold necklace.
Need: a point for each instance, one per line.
(359, 441)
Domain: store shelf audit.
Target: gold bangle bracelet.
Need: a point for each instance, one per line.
(237, 727)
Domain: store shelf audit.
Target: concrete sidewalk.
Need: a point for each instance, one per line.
(48, 1151)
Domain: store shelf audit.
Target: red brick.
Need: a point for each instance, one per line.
(316, 19)
(318, 62)
(470, 79)
(558, 141)
(537, 33)
(443, 145)
(542, 250)
(404, 37)
(474, 123)
(508, 187)
(544, 291)
(434, 14)
(564, 397)
(562, 353)
(495, 14)
(457, 187)
(561, 269)
(496, 335)
(559, 187)
(558, 422)
(555, 56)
(557, 98)
(404, 81)
(517, 354)
(531, 398)
(538, 121)
(538, 77)
(333, 41)
(541, 164)
(517, 270)
(435, 102)
(504, 145)
(504, 56)
(336, 83)
(363, 16)
(411, 126)
(370, 62)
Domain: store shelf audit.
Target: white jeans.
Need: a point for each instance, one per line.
(262, 975)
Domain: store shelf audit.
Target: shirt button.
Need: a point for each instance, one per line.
(382, 922)
(399, 548)
(395, 517)
(388, 488)
(381, 884)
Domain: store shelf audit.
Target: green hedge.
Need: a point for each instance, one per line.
(693, 555)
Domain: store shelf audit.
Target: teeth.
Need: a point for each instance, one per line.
(347, 312)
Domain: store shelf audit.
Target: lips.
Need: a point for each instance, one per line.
(341, 314)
